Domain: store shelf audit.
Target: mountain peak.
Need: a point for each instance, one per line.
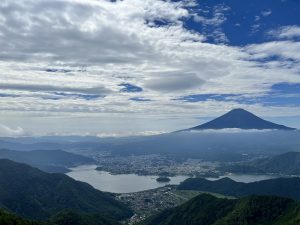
(238, 110)
(241, 119)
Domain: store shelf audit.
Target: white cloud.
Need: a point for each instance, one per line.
(286, 32)
(212, 25)
(266, 13)
(176, 82)
(230, 130)
(284, 49)
(6, 131)
(103, 44)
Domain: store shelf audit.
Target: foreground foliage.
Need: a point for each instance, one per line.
(65, 217)
(254, 210)
(37, 195)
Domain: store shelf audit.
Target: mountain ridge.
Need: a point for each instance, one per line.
(207, 209)
(50, 161)
(284, 187)
(34, 194)
(241, 119)
(287, 164)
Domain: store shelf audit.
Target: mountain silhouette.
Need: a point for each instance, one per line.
(241, 119)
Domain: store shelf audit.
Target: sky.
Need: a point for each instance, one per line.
(140, 67)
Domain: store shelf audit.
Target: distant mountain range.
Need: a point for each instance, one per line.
(241, 119)
(212, 145)
(52, 161)
(231, 137)
(287, 163)
(285, 187)
(213, 141)
(206, 209)
(34, 194)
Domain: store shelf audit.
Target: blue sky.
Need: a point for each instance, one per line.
(99, 67)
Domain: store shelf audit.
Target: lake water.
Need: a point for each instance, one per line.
(127, 183)
(246, 178)
(124, 183)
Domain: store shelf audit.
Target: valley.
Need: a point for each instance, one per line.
(138, 180)
(148, 203)
(155, 164)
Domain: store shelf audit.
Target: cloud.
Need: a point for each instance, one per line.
(286, 32)
(178, 82)
(81, 31)
(212, 23)
(282, 49)
(130, 88)
(230, 130)
(139, 99)
(49, 88)
(266, 13)
(6, 131)
(67, 58)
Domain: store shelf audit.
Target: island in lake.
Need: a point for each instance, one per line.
(163, 179)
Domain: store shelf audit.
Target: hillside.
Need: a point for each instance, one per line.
(286, 187)
(253, 210)
(47, 160)
(62, 218)
(68, 217)
(34, 194)
(287, 163)
(7, 218)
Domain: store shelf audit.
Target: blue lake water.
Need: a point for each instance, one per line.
(246, 178)
(124, 183)
(127, 183)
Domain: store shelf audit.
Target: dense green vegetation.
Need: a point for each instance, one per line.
(7, 218)
(163, 179)
(34, 194)
(65, 217)
(258, 210)
(286, 187)
(207, 209)
(52, 161)
(199, 210)
(68, 217)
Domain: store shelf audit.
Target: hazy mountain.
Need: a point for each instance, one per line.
(253, 210)
(210, 141)
(286, 187)
(213, 145)
(34, 194)
(215, 140)
(241, 119)
(47, 160)
(287, 163)
(37, 143)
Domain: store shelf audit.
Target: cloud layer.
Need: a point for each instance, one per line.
(95, 57)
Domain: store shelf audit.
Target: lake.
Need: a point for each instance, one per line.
(124, 183)
(246, 178)
(127, 183)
